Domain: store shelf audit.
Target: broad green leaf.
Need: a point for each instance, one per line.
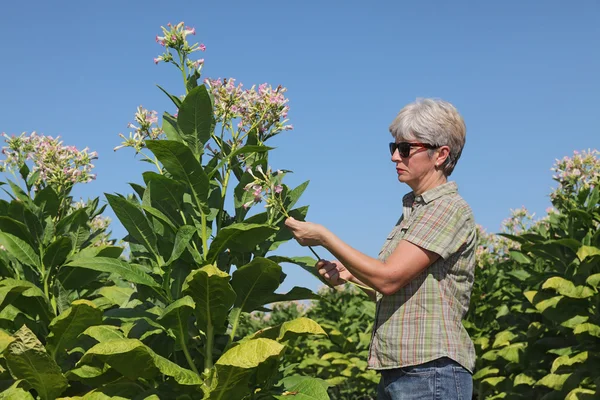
(306, 263)
(195, 118)
(523, 379)
(512, 352)
(27, 359)
(134, 220)
(156, 213)
(299, 327)
(133, 359)
(581, 394)
(587, 251)
(56, 254)
(254, 282)
(16, 228)
(542, 301)
(65, 328)
(294, 194)
(306, 389)
(93, 376)
(127, 271)
(179, 161)
(118, 295)
(493, 381)
(575, 321)
(48, 201)
(239, 237)
(567, 288)
(170, 128)
(593, 280)
(104, 333)
(10, 286)
(590, 329)
(176, 316)
(297, 293)
(214, 296)
(553, 381)
(503, 339)
(236, 365)
(519, 257)
(485, 372)
(568, 360)
(5, 340)
(72, 221)
(182, 239)
(15, 392)
(19, 249)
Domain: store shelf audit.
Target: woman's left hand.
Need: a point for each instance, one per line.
(306, 233)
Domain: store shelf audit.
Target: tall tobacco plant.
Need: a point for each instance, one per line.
(81, 321)
(204, 265)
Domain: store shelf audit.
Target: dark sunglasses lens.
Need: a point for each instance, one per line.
(404, 149)
(392, 148)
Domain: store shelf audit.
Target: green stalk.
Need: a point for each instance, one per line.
(186, 352)
(208, 361)
(182, 67)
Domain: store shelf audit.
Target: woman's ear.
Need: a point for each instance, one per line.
(442, 155)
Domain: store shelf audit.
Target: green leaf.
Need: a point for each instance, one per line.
(306, 263)
(553, 381)
(16, 228)
(519, 257)
(48, 201)
(65, 328)
(236, 365)
(297, 293)
(254, 282)
(134, 220)
(590, 329)
(117, 295)
(299, 327)
(512, 352)
(213, 295)
(593, 280)
(567, 288)
(293, 195)
(27, 359)
(587, 251)
(132, 359)
(104, 333)
(182, 240)
(485, 372)
(56, 254)
(239, 237)
(27, 289)
(523, 379)
(176, 100)
(306, 389)
(195, 118)
(127, 271)
(569, 360)
(14, 392)
(581, 394)
(503, 339)
(542, 301)
(179, 161)
(93, 376)
(176, 316)
(19, 249)
(170, 128)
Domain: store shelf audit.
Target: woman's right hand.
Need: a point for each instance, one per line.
(334, 272)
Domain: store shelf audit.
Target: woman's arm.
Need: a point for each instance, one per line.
(406, 262)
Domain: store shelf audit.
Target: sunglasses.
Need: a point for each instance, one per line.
(404, 147)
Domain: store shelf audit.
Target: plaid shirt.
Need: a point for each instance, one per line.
(423, 320)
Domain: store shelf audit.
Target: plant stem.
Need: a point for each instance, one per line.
(182, 67)
(188, 357)
(208, 361)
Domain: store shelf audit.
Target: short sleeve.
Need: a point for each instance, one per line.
(441, 227)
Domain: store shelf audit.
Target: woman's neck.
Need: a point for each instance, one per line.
(430, 182)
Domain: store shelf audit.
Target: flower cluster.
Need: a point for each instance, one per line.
(520, 220)
(264, 109)
(573, 174)
(99, 223)
(175, 38)
(146, 128)
(265, 186)
(56, 165)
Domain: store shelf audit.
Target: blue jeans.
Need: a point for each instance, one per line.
(441, 379)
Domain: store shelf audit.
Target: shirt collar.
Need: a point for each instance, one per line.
(431, 194)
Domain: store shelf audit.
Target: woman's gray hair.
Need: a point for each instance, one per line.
(432, 121)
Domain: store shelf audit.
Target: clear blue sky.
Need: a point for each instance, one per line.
(523, 74)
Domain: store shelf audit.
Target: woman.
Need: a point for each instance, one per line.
(423, 277)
